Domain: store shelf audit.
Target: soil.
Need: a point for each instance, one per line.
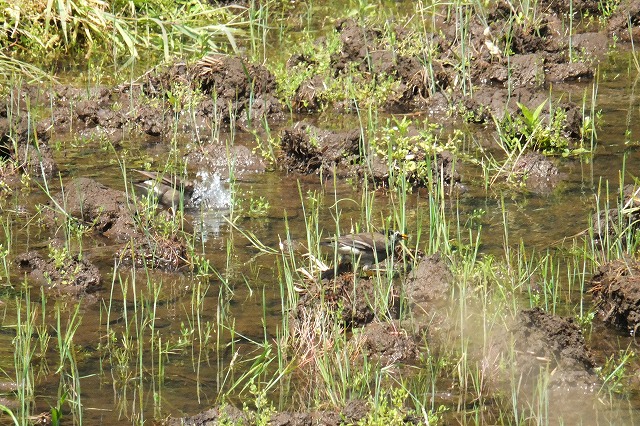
(544, 341)
(240, 89)
(627, 11)
(71, 275)
(616, 290)
(348, 300)
(428, 290)
(385, 342)
(490, 102)
(211, 417)
(306, 149)
(108, 212)
(103, 209)
(353, 412)
(537, 172)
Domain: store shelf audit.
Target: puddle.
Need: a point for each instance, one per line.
(171, 341)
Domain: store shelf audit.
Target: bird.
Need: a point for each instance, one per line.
(367, 248)
(169, 192)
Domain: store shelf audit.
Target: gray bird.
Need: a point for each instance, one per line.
(169, 192)
(368, 248)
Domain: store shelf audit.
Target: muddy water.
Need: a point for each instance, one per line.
(192, 379)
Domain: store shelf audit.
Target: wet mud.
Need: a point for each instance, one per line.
(428, 290)
(353, 412)
(536, 172)
(547, 342)
(385, 342)
(241, 94)
(307, 149)
(68, 275)
(616, 291)
(95, 205)
(111, 213)
(347, 297)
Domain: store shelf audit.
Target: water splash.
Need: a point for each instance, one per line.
(211, 192)
(212, 196)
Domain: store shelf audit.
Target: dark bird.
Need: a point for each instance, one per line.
(367, 248)
(169, 192)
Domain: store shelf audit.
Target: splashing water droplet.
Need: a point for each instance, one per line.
(211, 191)
(212, 197)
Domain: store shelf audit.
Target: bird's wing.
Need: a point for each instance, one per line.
(362, 242)
(161, 179)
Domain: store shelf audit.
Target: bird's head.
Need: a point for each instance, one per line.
(396, 236)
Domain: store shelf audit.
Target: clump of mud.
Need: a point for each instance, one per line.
(364, 49)
(233, 87)
(428, 291)
(109, 212)
(65, 274)
(624, 22)
(308, 149)
(347, 297)
(616, 290)
(548, 342)
(227, 414)
(489, 103)
(387, 343)
(353, 412)
(536, 172)
(94, 205)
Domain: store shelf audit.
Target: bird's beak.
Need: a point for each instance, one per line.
(403, 236)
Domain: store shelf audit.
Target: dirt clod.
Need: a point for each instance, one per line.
(67, 274)
(616, 289)
(546, 341)
(538, 172)
(227, 414)
(308, 149)
(347, 297)
(386, 342)
(429, 284)
(102, 208)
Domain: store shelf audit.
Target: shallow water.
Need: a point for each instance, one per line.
(246, 297)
